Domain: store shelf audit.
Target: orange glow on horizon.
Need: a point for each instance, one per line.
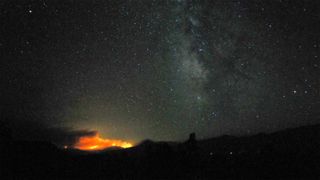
(93, 143)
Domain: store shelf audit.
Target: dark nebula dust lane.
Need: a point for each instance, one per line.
(159, 70)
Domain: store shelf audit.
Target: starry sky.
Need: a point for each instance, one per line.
(158, 69)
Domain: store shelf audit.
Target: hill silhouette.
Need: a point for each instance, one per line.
(288, 154)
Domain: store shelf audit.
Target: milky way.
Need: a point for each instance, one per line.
(160, 69)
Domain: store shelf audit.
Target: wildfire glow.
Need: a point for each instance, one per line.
(93, 143)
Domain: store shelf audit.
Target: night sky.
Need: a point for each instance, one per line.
(158, 70)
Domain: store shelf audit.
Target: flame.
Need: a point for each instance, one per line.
(93, 143)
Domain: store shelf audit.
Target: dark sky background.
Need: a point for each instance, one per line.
(158, 69)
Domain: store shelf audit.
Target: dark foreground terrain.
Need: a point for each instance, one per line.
(288, 154)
